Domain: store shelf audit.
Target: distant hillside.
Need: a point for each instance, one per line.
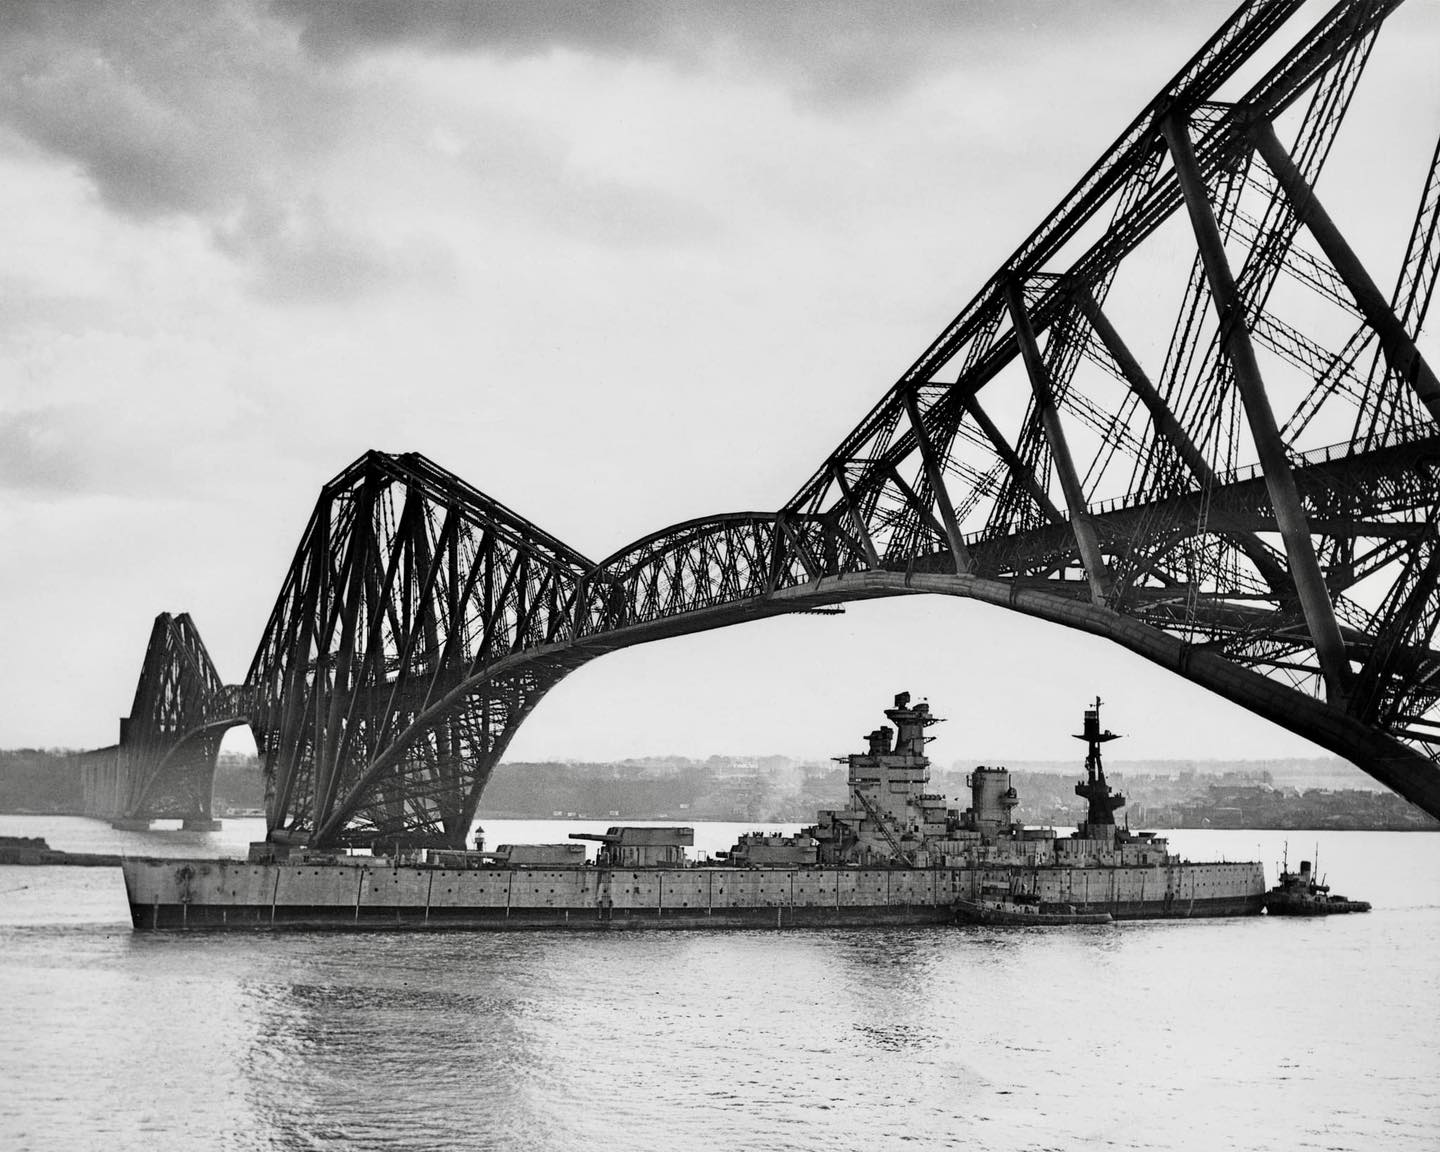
(47, 781)
(1319, 772)
(1190, 793)
(40, 780)
(768, 788)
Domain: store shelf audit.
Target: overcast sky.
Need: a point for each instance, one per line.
(618, 265)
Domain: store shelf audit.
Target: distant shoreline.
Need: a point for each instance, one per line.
(712, 818)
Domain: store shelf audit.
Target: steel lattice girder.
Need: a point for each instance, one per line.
(421, 621)
(406, 582)
(170, 741)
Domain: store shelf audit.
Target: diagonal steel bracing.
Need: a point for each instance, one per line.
(1247, 508)
(164, 764)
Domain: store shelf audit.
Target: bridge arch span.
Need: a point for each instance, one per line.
(163, 766)
(1186, 508)
(1388, 760)
(182, 783)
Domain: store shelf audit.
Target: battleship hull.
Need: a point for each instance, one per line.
(231, 895)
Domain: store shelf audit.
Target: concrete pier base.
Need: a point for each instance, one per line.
(199, 824)
(125, 824)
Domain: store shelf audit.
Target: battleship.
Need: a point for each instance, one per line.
(896, 854)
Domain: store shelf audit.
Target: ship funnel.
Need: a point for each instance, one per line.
(991, 796)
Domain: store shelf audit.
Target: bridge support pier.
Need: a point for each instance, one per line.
(130, 824)
(200, 824)
(144, 823)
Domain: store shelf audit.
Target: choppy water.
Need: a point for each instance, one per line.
(1283, 1034)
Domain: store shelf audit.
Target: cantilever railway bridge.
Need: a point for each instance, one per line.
(1255, 509)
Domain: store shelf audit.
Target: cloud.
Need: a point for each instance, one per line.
(210, 113)
(300, 252)
(531, 172)
(827, 54)
(168, 112)
(40, 454)
(76, 449)
(282, 126)
(221, 116)
(830, 56)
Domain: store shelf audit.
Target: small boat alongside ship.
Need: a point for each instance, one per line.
(1020, 911)
(897, 853)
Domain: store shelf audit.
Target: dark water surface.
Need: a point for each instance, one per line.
(1256, 1033)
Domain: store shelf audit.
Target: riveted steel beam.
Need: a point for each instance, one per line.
(1140, 384)
(812, 566)
(1018, 468)
(1279, 480)
(429, 660)
(857, 522)
(1405, 359)
(912, 498)
(1101, 586)
(936, 476)
(1169, 427)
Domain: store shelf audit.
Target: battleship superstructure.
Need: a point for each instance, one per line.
(897, 853)
(893, 816)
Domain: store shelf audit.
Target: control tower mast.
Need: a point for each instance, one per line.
(1094, 788)
(910, 724)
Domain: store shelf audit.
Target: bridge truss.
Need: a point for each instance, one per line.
(164, 764)
(1252, 505)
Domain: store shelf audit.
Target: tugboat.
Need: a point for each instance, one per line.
(1300, 894)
